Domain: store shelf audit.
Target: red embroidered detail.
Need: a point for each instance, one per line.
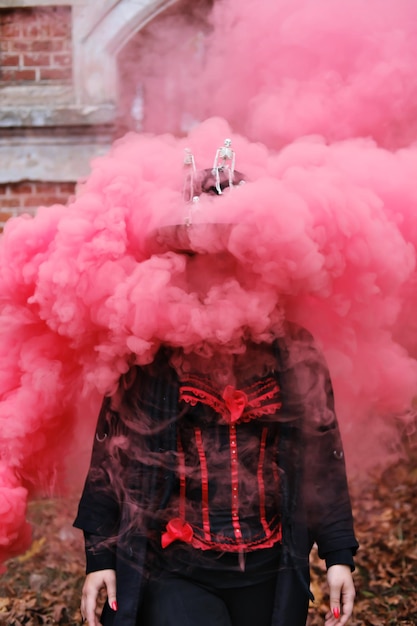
(234, 464)
(262, 397)
(194, 389)
(204, 483)
(261, 483)
(177, 530)
(229, 545)
(235, 401)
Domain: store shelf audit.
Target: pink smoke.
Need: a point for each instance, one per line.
(320, 106)
(335, 69)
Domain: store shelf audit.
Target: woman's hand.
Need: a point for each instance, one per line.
(94, 582)
(342, 595)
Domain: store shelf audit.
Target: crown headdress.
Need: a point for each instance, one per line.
(185, 237)
(212, 180)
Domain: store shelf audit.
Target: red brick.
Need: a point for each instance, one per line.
(56, 74)
(36, 60)
(19, 45)
(25, 75)
(47, 45)
(32, 201)
(36, 30)
(60, 28)
(9, 203)
(6, 75)
(66, 44)
(62, 199)
(24, 187)
(66, 188)
(10, 31)
(9, 60)
(5, 215)
(43, 188)
(3, 190)
(6, 17)
(17, 75)
(41, 200)
(62, 60)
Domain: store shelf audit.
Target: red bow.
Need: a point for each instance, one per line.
(235, 401)
(176, 530)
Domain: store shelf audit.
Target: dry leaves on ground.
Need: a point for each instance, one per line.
(43, 586)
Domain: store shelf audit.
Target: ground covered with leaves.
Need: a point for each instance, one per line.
(386, 563)
(43, 586)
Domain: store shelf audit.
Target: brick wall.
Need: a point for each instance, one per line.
(35, 45)
(27, 196)
(35, 49)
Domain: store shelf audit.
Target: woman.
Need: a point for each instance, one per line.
(215, 469)
(153, 511)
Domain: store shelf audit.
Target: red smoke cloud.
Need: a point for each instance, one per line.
(320, 105)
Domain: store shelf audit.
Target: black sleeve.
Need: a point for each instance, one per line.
(328, 505)
(99, 506)
(324, 492)
(340, 557)
(99, 554)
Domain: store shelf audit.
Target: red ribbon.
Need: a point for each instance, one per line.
(235, 401)
(176, 530)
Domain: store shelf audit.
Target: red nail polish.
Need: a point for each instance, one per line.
(336, 612)
(114, 605)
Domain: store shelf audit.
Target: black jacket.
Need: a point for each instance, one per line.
(122, 489)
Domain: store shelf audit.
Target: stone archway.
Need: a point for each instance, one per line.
(53, 130)
(100, 32)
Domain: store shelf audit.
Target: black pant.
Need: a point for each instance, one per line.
(175, 601)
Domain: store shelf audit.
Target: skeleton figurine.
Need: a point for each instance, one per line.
(224, 161)
(210, 181)
(190, 193)
(189, 180)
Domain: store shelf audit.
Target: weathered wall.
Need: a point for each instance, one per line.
(59, 89)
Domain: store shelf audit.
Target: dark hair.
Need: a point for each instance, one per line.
(206, 181)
